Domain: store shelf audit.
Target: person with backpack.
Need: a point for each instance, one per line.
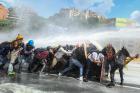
(7, 47)
(40, 60)
(14, 54)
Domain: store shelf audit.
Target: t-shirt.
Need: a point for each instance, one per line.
(109, 53)
(59, 54)
(96, 56)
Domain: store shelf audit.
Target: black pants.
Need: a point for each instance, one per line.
(115, 67)
(96, 69)
(108, 63)
(3, 61)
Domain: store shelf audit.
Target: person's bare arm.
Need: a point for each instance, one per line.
(66, 52)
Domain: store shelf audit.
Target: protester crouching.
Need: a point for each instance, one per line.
(60, 58)
(74, 61)
(27, 55)
(14, 54)
(94, 59)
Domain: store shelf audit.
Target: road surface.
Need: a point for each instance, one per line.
(33, 83)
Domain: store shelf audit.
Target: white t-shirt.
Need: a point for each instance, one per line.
(96, 56)
(61, 51)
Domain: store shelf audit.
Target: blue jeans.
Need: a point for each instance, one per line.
(76, 63)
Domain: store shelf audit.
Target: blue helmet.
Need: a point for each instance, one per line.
(31, 43)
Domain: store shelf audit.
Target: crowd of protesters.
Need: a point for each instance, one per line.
(84, 61)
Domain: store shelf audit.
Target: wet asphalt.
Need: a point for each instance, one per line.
(34, 83)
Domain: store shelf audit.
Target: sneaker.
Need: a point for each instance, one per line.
(60, 74)
(11, 73)
(81, 78)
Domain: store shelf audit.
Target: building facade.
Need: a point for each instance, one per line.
(3, 12)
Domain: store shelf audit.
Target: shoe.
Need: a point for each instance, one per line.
(121, 82)
(81, 78)
(11, 73)
(106, 75)
(60, 74)
(111, 84)
(85, 80)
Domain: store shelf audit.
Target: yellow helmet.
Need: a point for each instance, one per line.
(19, 37)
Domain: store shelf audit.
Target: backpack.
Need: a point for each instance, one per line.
(4, 46)
(42, 55)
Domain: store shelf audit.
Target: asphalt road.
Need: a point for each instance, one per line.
(33, 83)
(131, 74)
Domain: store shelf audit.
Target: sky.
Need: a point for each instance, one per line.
(108, 8)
